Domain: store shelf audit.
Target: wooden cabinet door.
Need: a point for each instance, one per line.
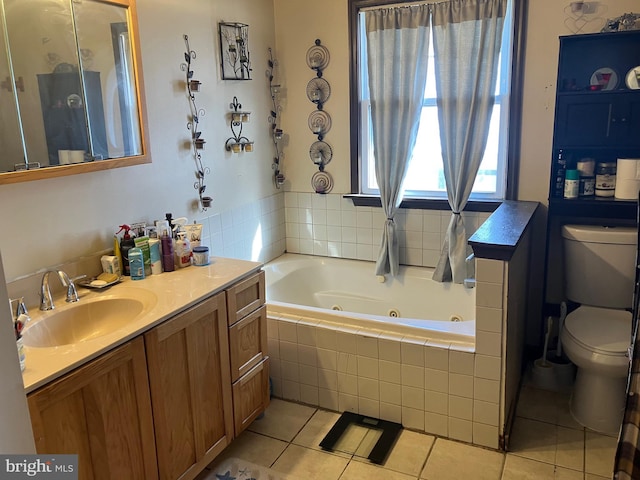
(598, 120)
(188, 361)
(245, 296)
(625, 121)
(583, 120)
(251, 395)
(102, 412)
(248, 342)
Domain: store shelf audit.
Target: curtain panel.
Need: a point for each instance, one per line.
(467, 35)
(397, 49)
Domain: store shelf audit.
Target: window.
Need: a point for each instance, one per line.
(425, 174)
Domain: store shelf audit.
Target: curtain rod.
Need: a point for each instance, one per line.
(394, 5)
(401, 5)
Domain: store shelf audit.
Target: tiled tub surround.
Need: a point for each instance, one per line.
(329, 225)
(439, 387)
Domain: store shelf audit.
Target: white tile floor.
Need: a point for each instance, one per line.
(546, 443)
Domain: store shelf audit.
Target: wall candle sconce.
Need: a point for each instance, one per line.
(234, 51)
(237, 143)
(276, 133)
(196, 114)
(318, 92)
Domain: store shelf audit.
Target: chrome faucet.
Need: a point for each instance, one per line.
(46, 301)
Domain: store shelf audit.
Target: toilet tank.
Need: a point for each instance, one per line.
(600, 264)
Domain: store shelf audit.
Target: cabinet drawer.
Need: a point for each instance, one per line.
(251, 396)
(245, 296)
(248, 342)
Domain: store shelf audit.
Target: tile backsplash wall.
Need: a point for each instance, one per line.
(308, 223)
(329, 225)
(325, 225)
(253, 231)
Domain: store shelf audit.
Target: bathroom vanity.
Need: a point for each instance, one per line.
(160, 398)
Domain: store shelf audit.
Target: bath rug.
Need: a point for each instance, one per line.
(238, 469)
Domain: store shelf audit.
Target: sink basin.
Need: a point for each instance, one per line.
(87, 319)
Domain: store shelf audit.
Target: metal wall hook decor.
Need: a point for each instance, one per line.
(274, 117)
(234, 51)
(197, 141)
(318, 93)
(238, 143)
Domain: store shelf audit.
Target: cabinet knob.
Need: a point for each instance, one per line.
(623, 119)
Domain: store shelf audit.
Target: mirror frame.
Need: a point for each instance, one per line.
(98, 165)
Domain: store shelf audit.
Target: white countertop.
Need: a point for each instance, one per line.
(175, 291)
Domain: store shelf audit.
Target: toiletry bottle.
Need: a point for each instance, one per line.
(183, 250)
(168, 264)
(155, 257)
(118, 254)
(169, 219)
(20, 319)
(561, 168)
(22, 357)
(571, 184)
(126, 244)
(136, 263)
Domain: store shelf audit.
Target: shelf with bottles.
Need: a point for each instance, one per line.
(585, 205)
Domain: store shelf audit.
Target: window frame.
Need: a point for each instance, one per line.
(515, 112)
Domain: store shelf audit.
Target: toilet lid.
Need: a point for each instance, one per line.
(601, 329)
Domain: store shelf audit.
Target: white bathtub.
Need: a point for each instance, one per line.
(346, 293)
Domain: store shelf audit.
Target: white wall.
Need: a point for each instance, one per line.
(53, 221)
(547, 19)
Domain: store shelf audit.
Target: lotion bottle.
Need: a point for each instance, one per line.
(136, 263)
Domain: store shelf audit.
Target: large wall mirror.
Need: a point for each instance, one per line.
(71, 90)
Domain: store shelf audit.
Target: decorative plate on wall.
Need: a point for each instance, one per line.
(633, 78)
(606, 78)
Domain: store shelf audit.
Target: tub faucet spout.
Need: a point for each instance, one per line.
(470, 279)
(46, 300)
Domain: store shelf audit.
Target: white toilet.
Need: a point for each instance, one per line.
(599, 275)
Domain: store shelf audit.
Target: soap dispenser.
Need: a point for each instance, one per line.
(126, 244)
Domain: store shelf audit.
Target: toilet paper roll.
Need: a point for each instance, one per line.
(628, 168)
(627, 189)
(627, 178)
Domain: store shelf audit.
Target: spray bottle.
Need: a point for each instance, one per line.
(183, 246)
(126, 244)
